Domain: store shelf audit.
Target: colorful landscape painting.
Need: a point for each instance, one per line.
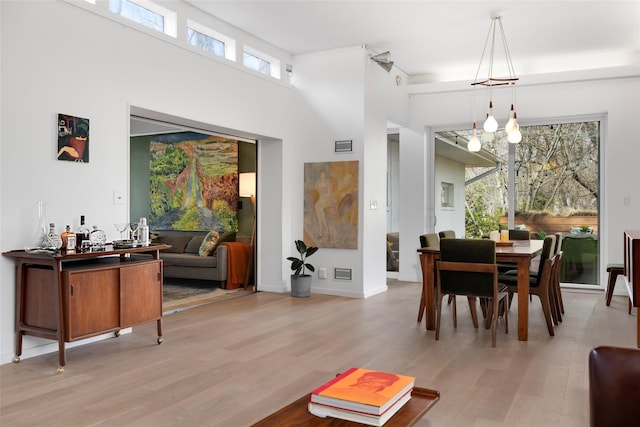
(194, 182)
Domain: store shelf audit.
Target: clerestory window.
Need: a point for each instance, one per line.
(147, 13)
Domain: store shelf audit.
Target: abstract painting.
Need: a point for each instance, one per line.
(194, 182)
(331, 204)
(73, 138)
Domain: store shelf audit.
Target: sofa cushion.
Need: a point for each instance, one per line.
(193, 247)
(178, 242)
(188, 260)
(209, 243)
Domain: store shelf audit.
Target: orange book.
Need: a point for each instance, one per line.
(363, 390)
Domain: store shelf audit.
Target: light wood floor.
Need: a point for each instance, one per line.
(234, 362)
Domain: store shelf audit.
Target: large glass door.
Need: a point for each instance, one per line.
(548, 184)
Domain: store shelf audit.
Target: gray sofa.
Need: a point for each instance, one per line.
(183, 261)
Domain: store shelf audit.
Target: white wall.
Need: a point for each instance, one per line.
(343, 95)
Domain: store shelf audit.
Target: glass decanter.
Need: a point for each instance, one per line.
(35, 244)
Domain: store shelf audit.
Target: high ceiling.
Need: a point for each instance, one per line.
(436, 41)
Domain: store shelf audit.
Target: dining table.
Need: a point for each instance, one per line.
(518, 252)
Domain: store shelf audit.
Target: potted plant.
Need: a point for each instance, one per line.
(300, 281)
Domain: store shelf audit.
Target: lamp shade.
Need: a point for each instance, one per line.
(247, 184)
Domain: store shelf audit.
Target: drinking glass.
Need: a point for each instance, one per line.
(123, 228)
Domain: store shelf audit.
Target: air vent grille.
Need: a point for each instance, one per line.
(344, 146)
(342, 273)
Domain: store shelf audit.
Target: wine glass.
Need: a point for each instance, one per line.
(122, 227)
(134, 230)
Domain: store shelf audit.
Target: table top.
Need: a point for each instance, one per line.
(519, 247)
(297, 413)
(109, 250)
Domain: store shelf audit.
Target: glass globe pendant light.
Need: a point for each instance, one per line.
(474, 143)
(491, 124)
(512, 121)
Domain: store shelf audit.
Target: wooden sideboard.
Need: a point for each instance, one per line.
(632, 271)
(72, 296)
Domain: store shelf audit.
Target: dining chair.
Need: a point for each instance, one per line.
(614, 389)
(433, 239)
(468, 267)
(555, 293)
(519, 235)
(447, 234)
(429, 239)
(513, 235)
(539, 281)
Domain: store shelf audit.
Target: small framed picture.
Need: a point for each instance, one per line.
(73, 138)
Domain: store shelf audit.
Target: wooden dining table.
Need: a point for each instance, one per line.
(519, 252)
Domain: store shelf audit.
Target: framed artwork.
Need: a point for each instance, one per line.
(193, 182)
(73, 138)
(331, 204)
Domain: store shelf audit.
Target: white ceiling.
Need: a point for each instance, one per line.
(435, 41)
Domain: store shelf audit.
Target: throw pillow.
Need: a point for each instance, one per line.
(209, 243)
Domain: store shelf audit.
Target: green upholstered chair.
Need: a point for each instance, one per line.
(447, 234)
(540, 281)
(579, 252)
(429, 239)
(468, 267)
(519, 235)
(513, 235)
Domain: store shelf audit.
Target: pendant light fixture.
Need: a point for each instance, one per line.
(491, 125)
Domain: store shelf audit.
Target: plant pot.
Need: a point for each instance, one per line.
(301, 286)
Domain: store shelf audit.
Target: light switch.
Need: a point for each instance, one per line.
(118, 198)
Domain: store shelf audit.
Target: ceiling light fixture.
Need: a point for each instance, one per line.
(491, 125)
(383, 59)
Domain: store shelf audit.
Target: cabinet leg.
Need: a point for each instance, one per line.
(159, 323)
(16, 359)
(61, 354)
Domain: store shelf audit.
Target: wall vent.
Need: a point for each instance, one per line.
(342, 273)
(344, 146)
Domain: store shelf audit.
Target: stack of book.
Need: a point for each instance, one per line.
(362, 395)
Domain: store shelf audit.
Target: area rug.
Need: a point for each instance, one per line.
(182, 295)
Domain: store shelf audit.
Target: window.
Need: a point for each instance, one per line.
(210, 40)
(146, 13)
(203, 41)
(289, 69)
(261, 62)
(446, 195)
(255, 63)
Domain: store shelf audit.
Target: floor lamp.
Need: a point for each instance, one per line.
(248, 189)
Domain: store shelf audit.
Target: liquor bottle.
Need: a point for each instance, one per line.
(98, 238)
(65, 235)
(52, 241)
(65, 238)
(143, 232)
(82, 234)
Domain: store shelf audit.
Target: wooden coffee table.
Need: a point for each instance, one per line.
(297, 413)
